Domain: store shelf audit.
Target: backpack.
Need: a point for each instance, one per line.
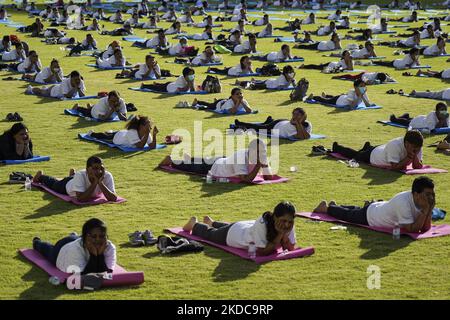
(269, 69)
(177, 244)
(300, 90)
(211, 85)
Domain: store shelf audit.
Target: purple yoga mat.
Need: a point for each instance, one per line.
(121, 277)
(280, 255)
(435, 231)
(94, 201)
(409, 170)
(258, 179)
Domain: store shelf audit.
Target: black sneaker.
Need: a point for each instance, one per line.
(319, 151)
(17, 117)
(10, 117)
(19, 177)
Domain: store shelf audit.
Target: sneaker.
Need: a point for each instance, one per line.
(136, 239)
(89, 133)
(319, 150)
(73, 234)
(148, 237)
(179, 105)
(10, 117)
(29, 89)
(17, 117)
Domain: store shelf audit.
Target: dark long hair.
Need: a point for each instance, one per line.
(15, 129)
(92, 224)
(136, 122)
(283, 208)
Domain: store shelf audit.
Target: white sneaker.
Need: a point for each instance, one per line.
(179, 105)
(29, 89)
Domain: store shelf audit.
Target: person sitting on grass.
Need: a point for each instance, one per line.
(285, 80)
(269, 232)
(70, 87)
(148, 70)
(410, 210)
(411, 18)
(90, 253)
(434, 120)
(15, 143)
(331, 45)
(184, 83)
(137, 134)
(350, 100)
(397, 154)
(51, 74)
(369, 78)
(175, 28)
(244, 67)
(116, 17)
(83, 185)
(244, 164)
(411, 42)
(106, 108)
(116, 60)
(233, 104)
(437, 49)
(326, 30)
(297, 128)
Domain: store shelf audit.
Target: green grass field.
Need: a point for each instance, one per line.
(157, 200)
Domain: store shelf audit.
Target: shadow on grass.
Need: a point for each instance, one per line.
(288, 103)
(378, 244)
(54, 207)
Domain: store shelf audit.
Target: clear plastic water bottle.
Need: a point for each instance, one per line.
(27, 184)
(353, 163)
(396, 232)
(293, 169)
(54, 280)
(252, 250)
(209, 177)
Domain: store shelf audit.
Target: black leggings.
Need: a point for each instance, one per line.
(86, 112)
(106, 136)
(362, 155)
(220, 71)
(54, 184)
(384, 63)
(193, 167)
(328, 99)
(312, 46)
(209, 105)
(161, 87)
(350, 214)
(315, 66)
(267, 125)
(217, 233)
(404, 121)
(254, 85)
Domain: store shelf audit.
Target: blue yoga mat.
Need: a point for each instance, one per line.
(208, 64)
(225, 112)
(74, 98)
(441, 55)
(409, 96)
(32, 81)
(421, 67)
(361, 106)
(292, 60)
(123, 148)
(434, 131)
(93, 65)
(75, 113)
(34, 159)
(171, 93)
(283, 39)
(243, 75)
(312, 136)
(393, 124)
(134, 39)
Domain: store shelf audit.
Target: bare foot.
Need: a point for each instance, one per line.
(332, 203)
(167, 161)
(37, 176)
(190, 225)
(75, 106)
(207, 220)
(71, 172)
(311, 96)
(419, 72)
(321, 208)
(413, 93)
(324, 95)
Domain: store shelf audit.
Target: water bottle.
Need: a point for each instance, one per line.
(54, 280)
(396, 232)
(28, 184)
(293, 169)
(209, 177)
(252, 250)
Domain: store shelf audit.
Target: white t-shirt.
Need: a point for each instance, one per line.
(446, 74)
(176, 49)
(143, 69)
(339, 64)
(326, 46)
(201, 36)
(115, 18)
(287, 129)
(60, 90)
(129, 138)
(80, 183)
(403, 63)
(11, 55)
(85, 44)
(227, 105)
(334, 16)
(45, 73)
(399, 210)
(347, 99)
(26, 64)
(242, 48)
(324, 31)
(424, 34)
(242, 233)
(149, 25)
(259, 22)
(154, 42)
(276, 56)
(110, 62)
(202, 57)
(307, 20)
(74, 254)
(429, 121)
(410, 42)
(392, 152)
(277, 82)
(235, 71)
(180, 83)
(234, 165)
(358, 54)
(102, 107)
(171, 31)
(264, 33)
(432, 50)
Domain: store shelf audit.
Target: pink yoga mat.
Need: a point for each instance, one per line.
(258, 179)
(280, 255)
(121, 277)
(435, 231)
(99, 200)
(409, 170)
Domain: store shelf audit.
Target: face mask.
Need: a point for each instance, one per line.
(362, 90)
(444, 114)
(191, 77)
(57, 69)
(291, 75)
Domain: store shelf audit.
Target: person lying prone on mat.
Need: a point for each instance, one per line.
(208, 56)
(434, 120)
(116, 60)
(244, 67)
(137, 134)
(352, 99)
(333, 44)
(368, 77)
(181, 49)
(269, 232)
(233, 104)
(249, 46)
(83, 185)
(88, 43)
(280, 56)
(411, 59)
(126, 30)
(149, 69)
(244, 164)
(158, 41)
(69, 88)
(184, 83)
(15, 143)
(440, 95)
(285, 80)
(51, 74)
(31, 64)
(397, 154)
(346, 63)
(90, 253)
(297, 127)
(444, 74)
(410, 210)
(17, 54)
(106, 108)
